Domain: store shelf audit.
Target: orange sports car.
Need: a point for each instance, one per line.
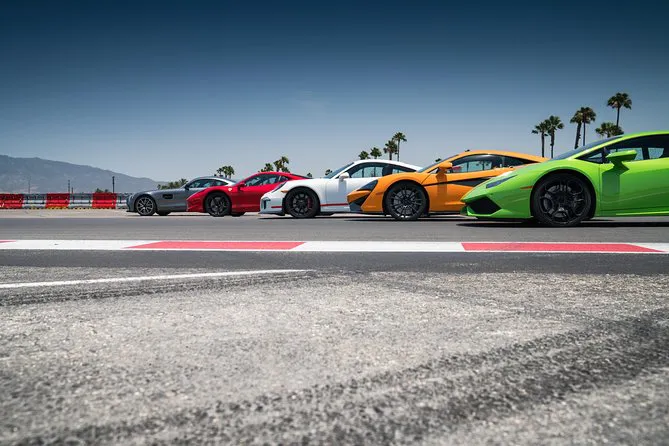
(436, 189)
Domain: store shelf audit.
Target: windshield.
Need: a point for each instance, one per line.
(584, 148)
(332, 174)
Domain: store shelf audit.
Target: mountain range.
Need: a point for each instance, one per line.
(36, 175)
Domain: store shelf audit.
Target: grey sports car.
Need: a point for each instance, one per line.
(164, 201)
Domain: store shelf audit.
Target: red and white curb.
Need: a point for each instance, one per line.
(333, 246)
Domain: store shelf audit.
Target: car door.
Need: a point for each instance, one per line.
(253, 188)
(639, 184)
(179, 200)
(467, 173)
(349, 180)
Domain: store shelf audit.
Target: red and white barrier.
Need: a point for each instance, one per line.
(98, 200)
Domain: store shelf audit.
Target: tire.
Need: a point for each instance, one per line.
(561, 200)
(406, 201)
(217, 204)
(326, 214)
(145, 206)
(302, 203)
(163, 213)
(237, 214)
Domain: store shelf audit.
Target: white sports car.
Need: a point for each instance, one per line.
(326, 196)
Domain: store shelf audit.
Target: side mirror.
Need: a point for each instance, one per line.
(343, 176)
(241, 184)
(187, 186)
(618, 158)
(443, 167)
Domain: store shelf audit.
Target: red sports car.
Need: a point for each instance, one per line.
(240, 197)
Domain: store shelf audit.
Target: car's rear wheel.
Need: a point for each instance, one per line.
(237, 214)
(326, 214)
(406, 201)
(561, 200)
(302, 203)
(217, 204)
(145, 206)
(163, 213)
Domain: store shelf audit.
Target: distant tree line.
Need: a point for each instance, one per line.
(583, 117)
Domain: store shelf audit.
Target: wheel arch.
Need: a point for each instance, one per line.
(405, 180)
(320, 196)
(142, 195)
(582, 176)
(216, 191)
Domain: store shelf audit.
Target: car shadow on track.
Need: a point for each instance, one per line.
(587, 224)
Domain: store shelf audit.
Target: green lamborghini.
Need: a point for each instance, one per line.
(625, 175)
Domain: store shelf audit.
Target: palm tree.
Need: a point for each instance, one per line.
(309, 175)
(375, 152)
(554, 124)
(225, 171)
(589, 117)
(363, 155)
(578, 120)
(281, 164)
(618, 101)
(397, 137)
(390, 148)
(328, 172)
(541, 129)
(608, 129)
(437, 160)
(268, 168)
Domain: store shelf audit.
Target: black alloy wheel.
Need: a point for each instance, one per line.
(406, 201)
(145, 206)
(217, 205)
(561, 200)
(302, 203)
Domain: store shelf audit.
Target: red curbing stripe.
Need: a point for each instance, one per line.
(6, 241)
(555, 247)
(251, 246)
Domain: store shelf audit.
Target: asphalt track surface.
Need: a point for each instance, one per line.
(350, 348)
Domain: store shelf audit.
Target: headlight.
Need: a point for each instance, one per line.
(369, 186)
(498, 182)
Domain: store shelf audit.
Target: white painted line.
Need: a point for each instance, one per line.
(70, 245)
(664, 247)
(145, 278)
(380, 246)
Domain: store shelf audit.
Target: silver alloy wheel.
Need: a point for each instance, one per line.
(145, 206)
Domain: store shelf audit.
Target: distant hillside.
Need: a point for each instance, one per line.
(51, 176)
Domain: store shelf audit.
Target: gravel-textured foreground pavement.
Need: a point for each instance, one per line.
(360, 357)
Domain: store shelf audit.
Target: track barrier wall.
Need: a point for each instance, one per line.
(11, 201)
(98, 200)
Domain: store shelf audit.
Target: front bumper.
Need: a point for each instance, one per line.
(272, 204)
(356, 199)
(502, 204)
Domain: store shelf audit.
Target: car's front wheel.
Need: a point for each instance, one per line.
(163, 213)
(561, 200)
(237, 214)
(406, 201)
(145, 206)
(302, 203)
(217, 205)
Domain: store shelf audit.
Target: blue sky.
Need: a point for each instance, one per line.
(176, 89)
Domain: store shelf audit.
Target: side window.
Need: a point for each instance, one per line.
(220, 183)
(510, 161)
(199, 184)
(257, 180)
(477, 163)
(401, 169)
(366, 170)
(595, 157)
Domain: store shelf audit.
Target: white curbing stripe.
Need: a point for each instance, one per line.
(145, 278)
(330, 246)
